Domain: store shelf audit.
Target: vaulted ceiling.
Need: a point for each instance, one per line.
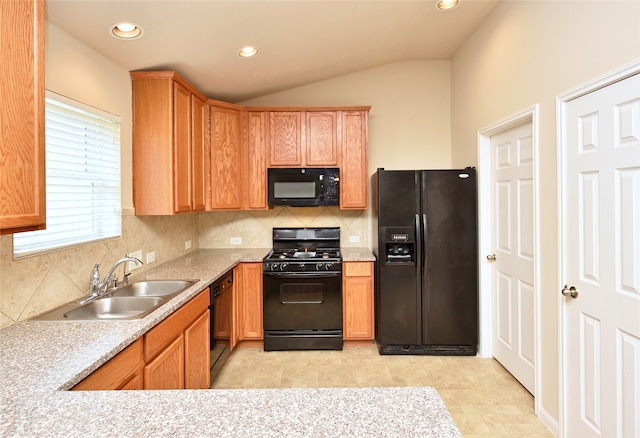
(300, 42)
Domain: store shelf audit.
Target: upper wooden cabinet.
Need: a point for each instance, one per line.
(303, 139)
(226, 158)
(168, 155)
(354, 193)
(193, 154)
(321, 145)
(255, 161)
(22, 151)
(285, 138)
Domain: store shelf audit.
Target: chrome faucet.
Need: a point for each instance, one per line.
(99, 288)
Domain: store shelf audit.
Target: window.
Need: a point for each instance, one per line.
(83, 178)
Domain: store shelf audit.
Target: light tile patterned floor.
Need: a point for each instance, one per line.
(483, 398)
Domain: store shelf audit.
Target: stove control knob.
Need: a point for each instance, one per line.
(301, 265)
(327, 266)
(283, 266)
(319, 266)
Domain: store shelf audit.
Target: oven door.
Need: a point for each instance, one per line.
(302, 310)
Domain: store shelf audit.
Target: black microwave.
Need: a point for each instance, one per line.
(304, 187)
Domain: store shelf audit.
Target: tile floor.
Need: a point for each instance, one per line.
(483, 398)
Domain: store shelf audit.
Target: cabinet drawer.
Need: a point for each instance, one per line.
(164, 333)
(363, 269)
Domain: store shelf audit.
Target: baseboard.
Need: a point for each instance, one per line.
(549, 421)
(357, 343)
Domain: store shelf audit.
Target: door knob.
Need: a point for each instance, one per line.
(570, 291)
(491, 257)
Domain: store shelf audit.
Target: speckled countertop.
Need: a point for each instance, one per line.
(40, 360)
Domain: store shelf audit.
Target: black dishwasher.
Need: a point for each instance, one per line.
(217, 290)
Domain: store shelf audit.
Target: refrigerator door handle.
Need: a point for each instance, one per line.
(419, 252)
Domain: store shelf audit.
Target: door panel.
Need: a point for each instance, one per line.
(600, 259)
(514, 244)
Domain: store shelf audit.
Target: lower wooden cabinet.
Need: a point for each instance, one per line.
(249, 286)
(196, 349)
(357, 297)
(123, 371)
(179, 347)
(166, 371)
(172, 355)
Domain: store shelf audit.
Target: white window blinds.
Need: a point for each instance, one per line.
(83, 178)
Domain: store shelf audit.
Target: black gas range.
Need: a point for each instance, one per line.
(302, 290)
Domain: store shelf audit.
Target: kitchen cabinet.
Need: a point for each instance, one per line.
(123, 371)
(176, 351)
(303, 139)
(357, 296)
(354, 194)
(226, 158)
(168, 152)
(199, 124)
(248, 281)
(166, 370)
(255, 161)
(22, 148)
(321, 145)
(285, 138)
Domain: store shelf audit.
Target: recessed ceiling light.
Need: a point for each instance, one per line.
(446, 5)
(247, 52)
(125, 31)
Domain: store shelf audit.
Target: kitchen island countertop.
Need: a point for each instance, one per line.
(41, 360)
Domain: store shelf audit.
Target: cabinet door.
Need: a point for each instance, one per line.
(196, 354)
(358, 317)
(321, 145)
(226, 159)
(255, 174)
(285, 138)
(166, 371)
(353, 171)
(181, 149)
(251, 301)
(135, 383)
(22, 152)
(117, 372)
(198, 162)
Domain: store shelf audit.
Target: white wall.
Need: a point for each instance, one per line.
(526, 53)
(409, 121)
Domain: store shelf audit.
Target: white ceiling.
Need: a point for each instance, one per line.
(300, 41)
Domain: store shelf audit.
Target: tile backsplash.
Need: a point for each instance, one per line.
(36, 284)
(254, 228)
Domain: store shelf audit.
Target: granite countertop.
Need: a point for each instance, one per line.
(41, 360)
(357, 254)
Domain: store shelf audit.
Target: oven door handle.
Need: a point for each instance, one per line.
(303, 274)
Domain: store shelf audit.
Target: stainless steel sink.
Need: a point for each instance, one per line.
(152, 288)
(115, 308)
(133, 301)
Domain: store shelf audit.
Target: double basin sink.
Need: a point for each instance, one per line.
(133, 301)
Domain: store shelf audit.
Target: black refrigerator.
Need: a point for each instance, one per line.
(426, 291)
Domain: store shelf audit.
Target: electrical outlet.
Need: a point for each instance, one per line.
(187, 244)
(132, 266)
(151, 257)
(354, 239)
(236, 240)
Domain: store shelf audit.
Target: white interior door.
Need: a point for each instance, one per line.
(600, 176)
(512, 156)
